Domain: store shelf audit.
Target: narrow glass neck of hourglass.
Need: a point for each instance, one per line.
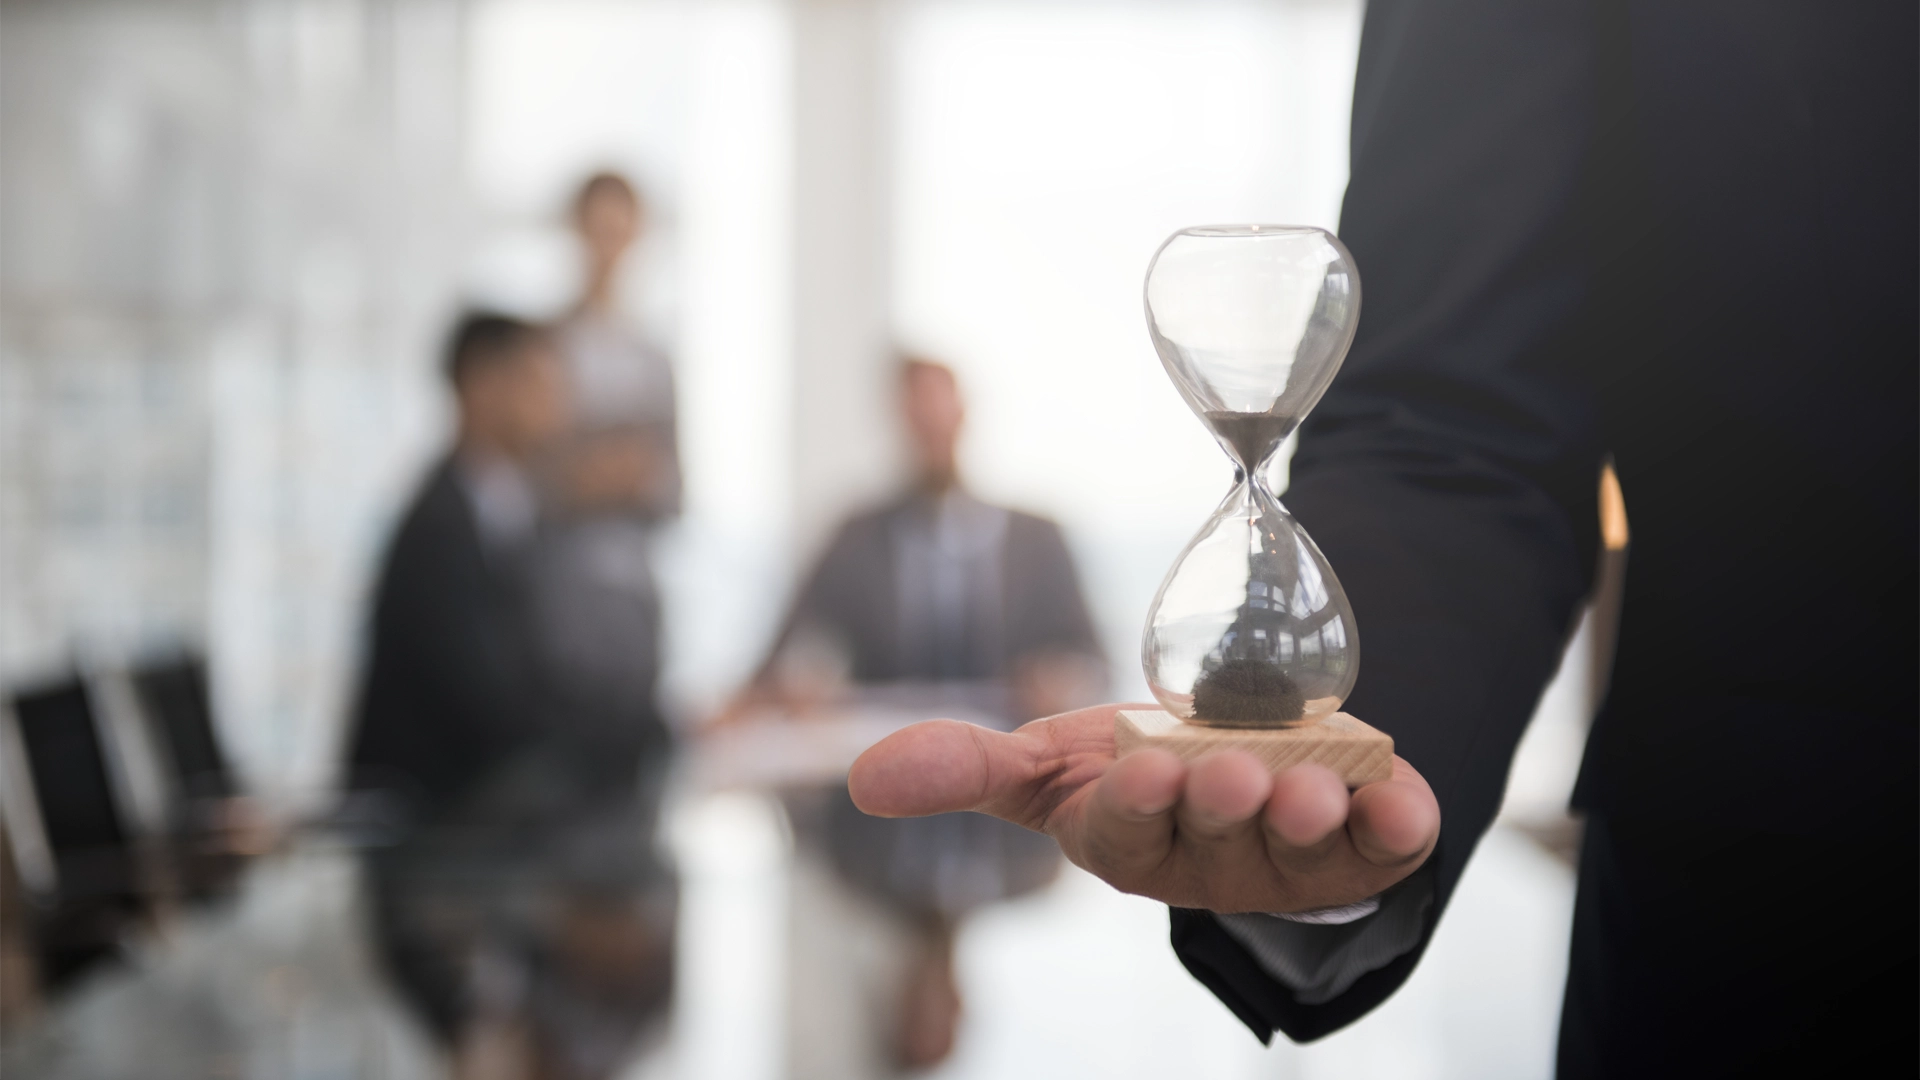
(1256, 476)
(1250, 439)
(1252, 493)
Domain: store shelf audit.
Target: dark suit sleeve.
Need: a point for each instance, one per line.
(1450, 473)
(465, 642)
(453, 680)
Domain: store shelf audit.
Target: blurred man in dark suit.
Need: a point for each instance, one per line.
(523, 910)
(452, 683)
(1684, 235)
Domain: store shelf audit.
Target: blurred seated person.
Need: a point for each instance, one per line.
(932, 600)
(524, 912)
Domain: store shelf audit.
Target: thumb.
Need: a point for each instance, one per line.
(935, 767)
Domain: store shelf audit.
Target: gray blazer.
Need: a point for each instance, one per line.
(945, 597)
(1022, 597)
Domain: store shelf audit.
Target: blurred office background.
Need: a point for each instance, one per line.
(232, 235)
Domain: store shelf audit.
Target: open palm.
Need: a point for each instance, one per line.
(1223, 834)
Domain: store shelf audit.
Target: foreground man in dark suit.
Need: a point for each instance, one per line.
(1683, 235)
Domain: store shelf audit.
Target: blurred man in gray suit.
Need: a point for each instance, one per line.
(933, 600)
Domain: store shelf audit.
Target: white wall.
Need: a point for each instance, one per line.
(228, 244)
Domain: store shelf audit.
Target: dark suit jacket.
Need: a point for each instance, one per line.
(1681, 233)
(451, 683)
(521, 786)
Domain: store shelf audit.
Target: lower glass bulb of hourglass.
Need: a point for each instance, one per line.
(1251, 628)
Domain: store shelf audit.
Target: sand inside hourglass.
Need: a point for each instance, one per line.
(1252, 435)
(1247, 693)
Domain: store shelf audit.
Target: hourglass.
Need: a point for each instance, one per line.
(1250, 642)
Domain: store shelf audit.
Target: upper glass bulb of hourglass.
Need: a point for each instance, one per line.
(1251, 627)
(1251, 322)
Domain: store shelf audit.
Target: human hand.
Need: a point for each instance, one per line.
(1223, 834)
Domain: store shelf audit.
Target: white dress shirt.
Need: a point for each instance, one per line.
(1320, 954)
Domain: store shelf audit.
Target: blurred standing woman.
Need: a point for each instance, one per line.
(615, 476)
(625, 448)
(611, 478)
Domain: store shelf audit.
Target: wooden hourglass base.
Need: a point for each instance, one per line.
(1359, 753)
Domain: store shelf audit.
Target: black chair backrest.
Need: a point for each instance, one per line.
(174, 695)
(98, 889)
(80, 810)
